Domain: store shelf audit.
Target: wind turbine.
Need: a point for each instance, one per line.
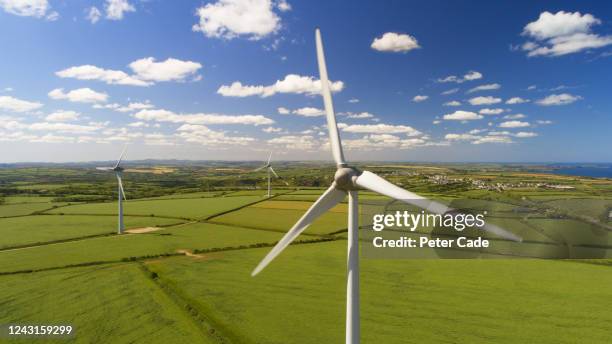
(270, 171)
(118, 173)
(348, 180)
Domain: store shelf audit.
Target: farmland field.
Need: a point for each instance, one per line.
(23, 230)
(184, 277)
(192, 208)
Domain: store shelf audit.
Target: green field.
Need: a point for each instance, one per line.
(118, 247)
(187, 280)
(95, 300)
(20, 209)
(281, 216)
(190, 208)
(403, 301)
(19, 231)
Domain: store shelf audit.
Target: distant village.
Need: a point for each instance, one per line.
(441, 179)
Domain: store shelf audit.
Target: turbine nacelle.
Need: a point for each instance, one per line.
(346, 178)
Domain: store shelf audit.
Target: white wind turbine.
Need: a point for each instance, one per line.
(270, 170)
(118, 173)
(348, 180)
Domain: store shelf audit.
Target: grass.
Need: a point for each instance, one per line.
(117, 247)
(18, 231)
(110, 304)
(27, 199)
(300, 298)
(282, 215)
(178, 208)
(21, 209)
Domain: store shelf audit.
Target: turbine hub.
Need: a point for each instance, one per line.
(345, 178)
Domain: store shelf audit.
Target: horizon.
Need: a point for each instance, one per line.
(475, 87)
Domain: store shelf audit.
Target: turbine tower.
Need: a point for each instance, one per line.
(347, 181)
(118, 173)
(271, 171)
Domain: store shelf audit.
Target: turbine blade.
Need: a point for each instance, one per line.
(269, 158)
(121, 187)
(121, 156)
(332, 127)
(104, 168)
(370, 181)
(259, 169)
(271, 169)
(330, 198)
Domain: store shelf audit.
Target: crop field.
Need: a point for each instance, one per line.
(403, 301)
(94, 301)
(23, 230)
(189, 208)
(181, 272)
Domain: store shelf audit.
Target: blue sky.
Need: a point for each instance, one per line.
(234, 79)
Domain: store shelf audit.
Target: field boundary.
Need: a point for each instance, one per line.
(207, 326)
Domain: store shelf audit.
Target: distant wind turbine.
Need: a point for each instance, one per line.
(268, 166)
(118, 173)
(348, 180)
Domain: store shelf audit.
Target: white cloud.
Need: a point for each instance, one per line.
(451, 91)
(488, 100)
(26, 8)
(469, 76)
(531, 87)
(558, 99)
(359, 115)
(543, 122)
(380, 129)
(292, 83)
(472, 75)
(308, 112)
(487, 111)
(382, 141)
(138, 124)
(62, 116)
(487, 87)
(436, 122)
(514, 124)
(516, 100)
(283, 6)
(133, 107)
(462, 116)
(93, 15)
(515, 116)
(283, 111)
(109, 76)
(201, 118)
(561, 23)
(80, 95)
(461, 137)
(205, 136)
(147, 72)
(63, 127)
(17, 105)
(295, 142)
(169, 70)
(271, 130)
(493, 139)
(395, 42)
(353, 100)
(419, 98)
(115, 9)
(563, 33)
(452, 103)
(525, 134)
(229, 19)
